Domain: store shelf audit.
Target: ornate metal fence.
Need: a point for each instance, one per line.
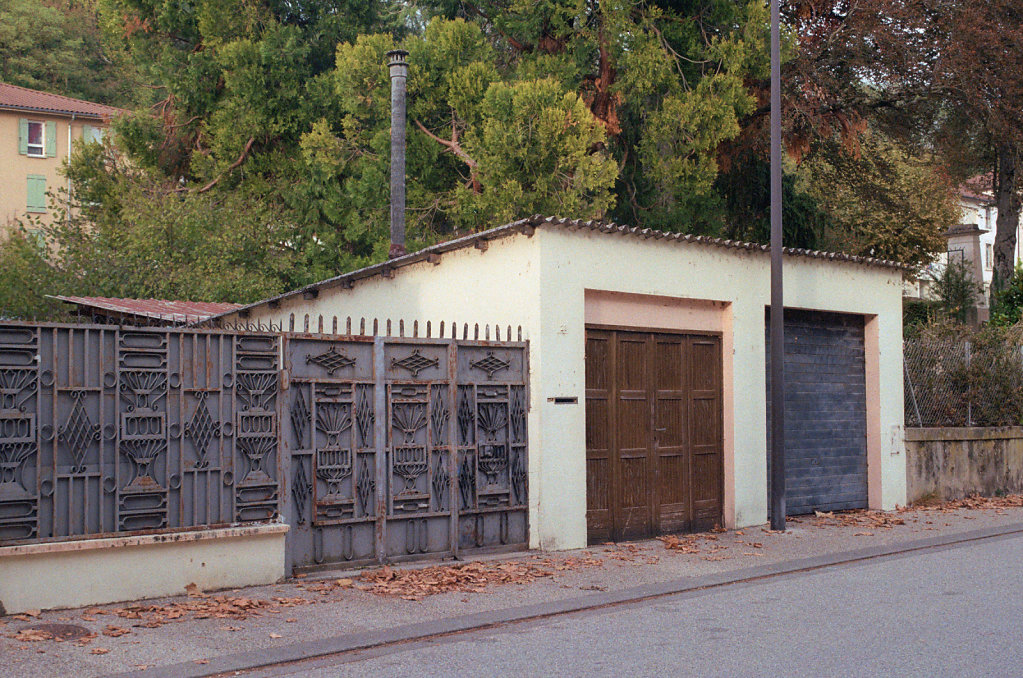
(113, 430)
(372, 448)
(401, 447)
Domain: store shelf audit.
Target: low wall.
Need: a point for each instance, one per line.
(95, 571)
(951, 463)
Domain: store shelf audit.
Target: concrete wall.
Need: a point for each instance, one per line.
(951, 463)
(15, 168)
(542, 282)
(97, 571)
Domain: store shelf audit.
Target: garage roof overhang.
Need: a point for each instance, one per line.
(527, 227)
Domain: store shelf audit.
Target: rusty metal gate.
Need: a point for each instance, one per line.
(403, 447)
(371, 448)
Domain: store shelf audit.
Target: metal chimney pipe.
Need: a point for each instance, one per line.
(399, 73)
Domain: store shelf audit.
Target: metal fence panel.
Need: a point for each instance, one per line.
(389, 447)
(403, 447)
(110, 430)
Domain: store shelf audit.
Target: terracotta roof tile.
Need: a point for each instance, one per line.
(22, 98)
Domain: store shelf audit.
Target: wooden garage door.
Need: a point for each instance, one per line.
(653, 433)
(825, 412)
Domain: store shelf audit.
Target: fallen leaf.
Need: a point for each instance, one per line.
(276, 635)
(115, 631)
(200, 661)
(193, 590)
(99, 650)
(33, 635)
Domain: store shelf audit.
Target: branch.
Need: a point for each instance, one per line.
(451, 145)
(233, 166)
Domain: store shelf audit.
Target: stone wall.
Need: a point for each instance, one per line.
(951, 463)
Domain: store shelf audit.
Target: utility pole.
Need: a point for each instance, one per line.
(777, 302)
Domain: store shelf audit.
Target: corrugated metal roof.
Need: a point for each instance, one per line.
(527, 226)
(24, 99)
(159, 309)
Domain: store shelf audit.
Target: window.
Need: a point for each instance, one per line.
(36, 134)
(36, 193)
(37, 139)
(989, 256)
(93, 134)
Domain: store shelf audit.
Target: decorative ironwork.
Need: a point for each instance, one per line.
(467, 481)
(466, 416)
(301, 490)
(142, 454)
(517, 418)
(440, 482)
(439, 414)
(299, 417)
(333, 466)
(333, 419)
(365, 486)
(201, 429)
(518, 477)
(409, 463)
(492, 418)
(408, 418)
(364, 415)
(16, 387)
(256, 390)
(415, 363)
(256, 450)
(143, 390)
(331, 360)
(78, 432)
(490, 364)
(12, 468)
(493, 460)
(171, 428)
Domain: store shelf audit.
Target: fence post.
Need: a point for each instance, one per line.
(382, 423)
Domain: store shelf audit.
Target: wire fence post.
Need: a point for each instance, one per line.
(969, 396)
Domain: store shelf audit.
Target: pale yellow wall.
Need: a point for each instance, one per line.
(117, 569)
(541, 282)
(15, 168)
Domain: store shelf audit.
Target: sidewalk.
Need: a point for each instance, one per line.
(267, 622)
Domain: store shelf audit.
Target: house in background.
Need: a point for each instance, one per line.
(37, 134)
(971, 244)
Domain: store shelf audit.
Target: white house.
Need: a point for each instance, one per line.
(647, 367)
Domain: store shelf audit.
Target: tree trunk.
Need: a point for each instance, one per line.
(1008, 203)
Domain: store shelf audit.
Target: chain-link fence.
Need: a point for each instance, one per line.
(956, 382)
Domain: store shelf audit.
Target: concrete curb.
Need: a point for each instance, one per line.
(267, 657)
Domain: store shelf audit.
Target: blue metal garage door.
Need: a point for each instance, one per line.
(825, 412)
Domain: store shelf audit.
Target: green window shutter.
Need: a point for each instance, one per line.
(36, 193)
(23, 136)
(51, 139)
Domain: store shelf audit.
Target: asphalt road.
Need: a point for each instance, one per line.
(952, 611)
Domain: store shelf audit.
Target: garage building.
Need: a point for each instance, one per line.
(648, 408)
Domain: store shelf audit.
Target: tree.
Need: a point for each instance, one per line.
(942, 74)
(57, 46)
(884, 201)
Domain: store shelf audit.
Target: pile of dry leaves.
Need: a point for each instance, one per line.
(975, 501)
(857, 518)
(198, 606)
(471, 577)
